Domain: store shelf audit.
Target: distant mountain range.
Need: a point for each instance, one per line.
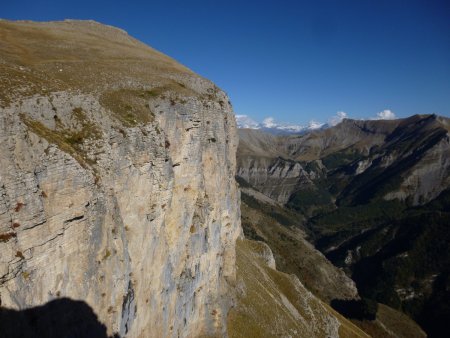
(269, 125)
(374, 198)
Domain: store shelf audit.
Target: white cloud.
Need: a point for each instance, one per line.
(269, 122)
(293, 128)
(336, 119)
(244, 121)
(385, 115)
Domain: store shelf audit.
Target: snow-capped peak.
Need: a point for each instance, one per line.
(243, 121)
(315, 125)
(271, 125)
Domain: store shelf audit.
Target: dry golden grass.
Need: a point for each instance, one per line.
(130, 106)
(36, 58)
(391, 323)
(69, 141)
(293, 253)
(16, 83)
(262, 309)
(256, 311)
(77, 41)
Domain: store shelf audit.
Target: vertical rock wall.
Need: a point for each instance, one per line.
(139, 222)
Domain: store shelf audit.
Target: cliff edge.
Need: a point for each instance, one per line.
(116, 181)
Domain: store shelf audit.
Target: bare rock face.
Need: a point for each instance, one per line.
(116, 181)
(277, 178)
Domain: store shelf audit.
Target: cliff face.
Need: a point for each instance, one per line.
(116, 181)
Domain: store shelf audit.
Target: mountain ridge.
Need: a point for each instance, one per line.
(369, 193)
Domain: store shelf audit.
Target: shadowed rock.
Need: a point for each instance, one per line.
(62, 318)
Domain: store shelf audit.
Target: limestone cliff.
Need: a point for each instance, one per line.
(116, 181)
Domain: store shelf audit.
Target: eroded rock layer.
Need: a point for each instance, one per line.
(116, 181)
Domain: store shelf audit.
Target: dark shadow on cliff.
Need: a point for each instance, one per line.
(62, 318)
(363, 309)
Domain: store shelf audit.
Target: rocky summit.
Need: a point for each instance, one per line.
(119, 209)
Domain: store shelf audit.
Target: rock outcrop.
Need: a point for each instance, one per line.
(116, 181)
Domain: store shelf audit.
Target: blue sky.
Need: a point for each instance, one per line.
(295, 61)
